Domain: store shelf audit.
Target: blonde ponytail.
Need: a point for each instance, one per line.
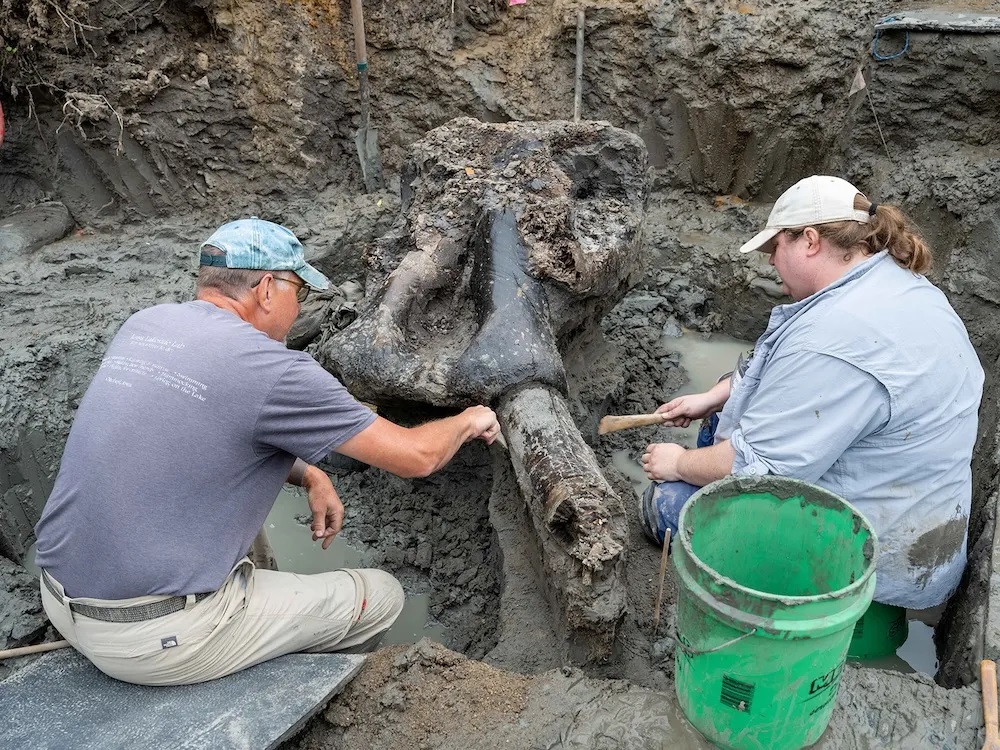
(888, 228)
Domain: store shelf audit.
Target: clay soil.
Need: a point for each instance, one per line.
(148, 124)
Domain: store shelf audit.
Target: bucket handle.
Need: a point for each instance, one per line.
(700, 652)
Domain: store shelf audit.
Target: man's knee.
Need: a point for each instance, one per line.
(383, 597)
(381, 603)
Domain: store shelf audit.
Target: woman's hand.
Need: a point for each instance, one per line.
(660, 461)
(681, 411)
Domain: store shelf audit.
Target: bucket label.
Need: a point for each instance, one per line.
(736, 694)
(823, 689)
(826, 681)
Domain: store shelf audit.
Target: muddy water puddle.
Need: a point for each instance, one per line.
(917, 654)
(705, 360)
(296, 552)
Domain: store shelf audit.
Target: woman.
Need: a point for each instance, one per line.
(866, 384)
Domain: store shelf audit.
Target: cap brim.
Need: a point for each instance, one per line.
(312, 277)
(763, 240)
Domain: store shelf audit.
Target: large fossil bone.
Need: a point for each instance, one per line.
(513, 240)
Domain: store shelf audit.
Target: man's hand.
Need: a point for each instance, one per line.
(660, 461)
(484, 423)
(327, 510)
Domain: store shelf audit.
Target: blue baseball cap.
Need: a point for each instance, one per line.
(261, 245)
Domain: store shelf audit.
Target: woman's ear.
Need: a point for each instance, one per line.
(813, 240)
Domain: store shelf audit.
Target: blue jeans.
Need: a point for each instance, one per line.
(662, 501)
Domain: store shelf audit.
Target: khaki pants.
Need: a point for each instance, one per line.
(257, 615)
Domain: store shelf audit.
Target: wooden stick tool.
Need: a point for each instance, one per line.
(664, 555)
(38, 648)
(613, 423)
(988, 673)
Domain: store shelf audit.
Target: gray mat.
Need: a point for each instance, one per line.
(61, 701)
(940, 20)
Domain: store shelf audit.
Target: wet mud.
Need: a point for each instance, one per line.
(936, 547)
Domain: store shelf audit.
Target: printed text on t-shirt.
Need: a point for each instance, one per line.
(123, 366)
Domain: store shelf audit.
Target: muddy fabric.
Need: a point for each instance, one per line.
(255, 616)
(870, 388)
(179, 449)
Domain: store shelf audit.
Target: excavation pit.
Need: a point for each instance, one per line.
(222, 114)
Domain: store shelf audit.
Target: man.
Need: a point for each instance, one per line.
(866, 385)
(196, 417)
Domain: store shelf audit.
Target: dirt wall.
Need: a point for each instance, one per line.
(138, 108)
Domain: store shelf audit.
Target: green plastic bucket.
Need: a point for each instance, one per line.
(879, 633)
(772, 575)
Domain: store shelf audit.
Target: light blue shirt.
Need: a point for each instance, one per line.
(870, 388)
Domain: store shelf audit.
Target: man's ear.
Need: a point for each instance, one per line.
(264, 292)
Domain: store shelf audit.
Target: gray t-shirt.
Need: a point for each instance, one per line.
(179, 449)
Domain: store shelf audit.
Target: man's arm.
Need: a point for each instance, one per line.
(421, 450)
(297, 473)
(405, 451)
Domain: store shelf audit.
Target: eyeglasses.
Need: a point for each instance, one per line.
(301, 291)
(301, 288)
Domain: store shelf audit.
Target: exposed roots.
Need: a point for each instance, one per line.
(75, 26)
(80, 107)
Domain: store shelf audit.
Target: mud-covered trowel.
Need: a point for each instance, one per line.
(366, 137)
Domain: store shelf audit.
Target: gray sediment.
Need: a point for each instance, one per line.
(223, 116)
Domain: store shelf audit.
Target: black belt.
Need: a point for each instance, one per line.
(136, 613)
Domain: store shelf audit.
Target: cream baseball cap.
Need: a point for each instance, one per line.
(820, 199)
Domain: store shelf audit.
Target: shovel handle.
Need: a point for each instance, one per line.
(358, 21)
(624, 422)
(988, 673)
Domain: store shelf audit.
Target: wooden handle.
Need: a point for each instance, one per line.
(663, 572)
(988, 672)
(38, 648)
(613, 423)
(358, 20)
